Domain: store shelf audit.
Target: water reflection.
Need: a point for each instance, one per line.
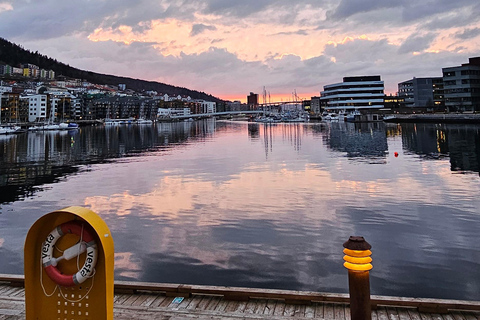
(37, 158)
(257, 205)
(461, 143)
(367, 140)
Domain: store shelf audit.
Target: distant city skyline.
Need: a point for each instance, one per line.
(230, 48)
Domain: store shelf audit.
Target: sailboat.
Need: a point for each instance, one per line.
(64, 125)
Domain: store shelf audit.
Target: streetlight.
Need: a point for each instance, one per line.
(357, 261)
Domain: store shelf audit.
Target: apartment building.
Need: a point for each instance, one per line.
(422, 92)
(354, 93)
(37, 107)
(462, 86)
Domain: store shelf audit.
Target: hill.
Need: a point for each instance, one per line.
(14, 55)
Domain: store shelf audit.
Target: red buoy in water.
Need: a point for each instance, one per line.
(395, 154)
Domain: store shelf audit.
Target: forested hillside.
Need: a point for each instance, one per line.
(14, 55)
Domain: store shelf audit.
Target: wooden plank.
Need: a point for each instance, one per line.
(9, 291)
(299, 311)
(470, 316)
(231, 306)
(310, 311)
(328, 311)
(149, 300)
(131, 300)
(164, 302)
(122, 298)
(425, 316)
(289, 310)
(196, 299)
(204, 303)
(213, 303)
(457, 315)
(141, 298)
(279, 308)
(392, 313)
(21, 294)
(319, 308)
(16, 292)
(382, 313)
(261, 306)
(222, 305)
(240, 307)
(347, 312)
(339, 311)
(414, 314)
(403, 314)
(4, 288)
(436, 316)
(270, 307)
(251, 306)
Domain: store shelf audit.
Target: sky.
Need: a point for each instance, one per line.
(230, 48)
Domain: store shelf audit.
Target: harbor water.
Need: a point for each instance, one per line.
(260, 205)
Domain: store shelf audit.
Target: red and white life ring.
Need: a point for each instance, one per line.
(87, 244)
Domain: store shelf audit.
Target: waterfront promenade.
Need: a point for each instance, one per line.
(134, 300)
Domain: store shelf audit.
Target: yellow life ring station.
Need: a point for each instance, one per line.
(69, 266)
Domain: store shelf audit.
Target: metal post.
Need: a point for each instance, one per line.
(357, 261)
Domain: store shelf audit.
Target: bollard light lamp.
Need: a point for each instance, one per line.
(357, 254)
(357, 261)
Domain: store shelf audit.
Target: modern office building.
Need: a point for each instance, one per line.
(354, 93)
(422, 92)
(462, 86)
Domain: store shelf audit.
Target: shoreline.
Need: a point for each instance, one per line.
(468, 118)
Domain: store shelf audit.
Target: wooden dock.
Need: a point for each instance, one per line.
(136, 300)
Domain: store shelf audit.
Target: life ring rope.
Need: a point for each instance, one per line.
(86, 244)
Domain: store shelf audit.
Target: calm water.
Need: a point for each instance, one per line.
(244, 204)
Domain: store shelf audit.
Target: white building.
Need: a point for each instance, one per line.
(363, 92)
(37, 107)
(207, 106)
(5, 89)
(171, 112)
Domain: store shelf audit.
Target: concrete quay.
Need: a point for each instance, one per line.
(464, 118)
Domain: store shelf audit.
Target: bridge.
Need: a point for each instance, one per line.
(216, 114)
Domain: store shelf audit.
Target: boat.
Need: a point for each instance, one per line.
(390, 117)
(330, 117)
(66, 125)
(351, 116)
(10, 130)
(144, 121)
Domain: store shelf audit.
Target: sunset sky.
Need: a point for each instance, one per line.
(229, 48)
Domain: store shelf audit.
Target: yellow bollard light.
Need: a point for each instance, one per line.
(358, 262)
